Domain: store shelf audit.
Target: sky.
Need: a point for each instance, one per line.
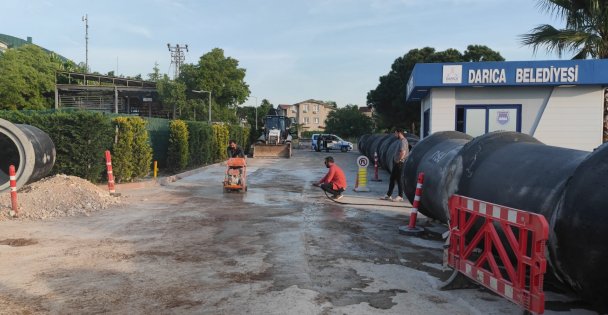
(292, 50)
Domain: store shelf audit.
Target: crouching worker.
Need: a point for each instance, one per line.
(334, 182)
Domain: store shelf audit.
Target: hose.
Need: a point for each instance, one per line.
(364, 204)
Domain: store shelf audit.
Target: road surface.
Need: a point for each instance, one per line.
(280, 248)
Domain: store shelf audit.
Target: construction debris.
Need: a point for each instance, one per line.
(57, 196)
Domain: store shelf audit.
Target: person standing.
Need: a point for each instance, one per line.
(334, 182)
(398, 161)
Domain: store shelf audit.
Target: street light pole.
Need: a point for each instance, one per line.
(201, 91)
(256, 112)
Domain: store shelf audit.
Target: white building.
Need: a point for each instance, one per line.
(561, 103)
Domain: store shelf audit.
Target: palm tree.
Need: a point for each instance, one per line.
(585, 33)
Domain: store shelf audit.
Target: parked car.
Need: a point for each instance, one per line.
(329, 142)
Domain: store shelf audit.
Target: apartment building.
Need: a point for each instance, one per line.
(311, 114)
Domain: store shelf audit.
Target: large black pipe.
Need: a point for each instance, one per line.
(434, 157)
(566, 186)
(581, 229)
(29, 149)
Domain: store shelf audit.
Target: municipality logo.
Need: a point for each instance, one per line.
(452, 74)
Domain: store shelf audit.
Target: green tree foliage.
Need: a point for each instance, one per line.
(388, 98)
(172, 95)
(178, 155)
(348, 122)
(585, 33)
(222, 76)
(155, 75)
(27, 78)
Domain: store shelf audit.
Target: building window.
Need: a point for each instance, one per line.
(306, 120)
(305, 108)
(476, 120)
(317, 120)
(315, 108)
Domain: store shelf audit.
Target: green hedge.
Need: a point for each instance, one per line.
(220, 142)
(132, 153)
(82, 137)
(177, 155)
(200, 136)
(240, 135)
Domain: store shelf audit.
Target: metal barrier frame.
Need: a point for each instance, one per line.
(510, 240)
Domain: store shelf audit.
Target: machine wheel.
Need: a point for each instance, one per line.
(343, 149)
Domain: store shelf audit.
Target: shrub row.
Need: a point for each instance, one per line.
(82, 137)
(193, 144)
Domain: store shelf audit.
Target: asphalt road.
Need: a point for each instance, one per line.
(280, 248)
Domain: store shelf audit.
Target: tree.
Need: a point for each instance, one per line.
(388, 98)
(348, 122)
(27, 78)
(155, 75)
(222, 76)
(585, 33)
(172, 95)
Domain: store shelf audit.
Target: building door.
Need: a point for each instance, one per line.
(476, 120)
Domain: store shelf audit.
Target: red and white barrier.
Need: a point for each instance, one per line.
(376, 179)
(512, 262)
(110, 174)
(13, 184)
(411, 228)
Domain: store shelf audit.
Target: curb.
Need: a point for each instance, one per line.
(160, 181)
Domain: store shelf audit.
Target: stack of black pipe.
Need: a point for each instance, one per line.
(568, 187)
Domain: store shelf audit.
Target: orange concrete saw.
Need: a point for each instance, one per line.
(236, 175)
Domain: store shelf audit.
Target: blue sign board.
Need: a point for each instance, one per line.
(511, 73)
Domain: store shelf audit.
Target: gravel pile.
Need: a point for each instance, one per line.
(57, 196)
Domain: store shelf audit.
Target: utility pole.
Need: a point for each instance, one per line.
(85, 19)
(201, 91)
(177, 57)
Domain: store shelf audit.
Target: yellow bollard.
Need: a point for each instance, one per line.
(155, 169)
(362, 163)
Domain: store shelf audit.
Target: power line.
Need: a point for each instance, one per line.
(177, 57)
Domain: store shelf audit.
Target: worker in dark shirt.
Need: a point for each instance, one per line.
(234, 150)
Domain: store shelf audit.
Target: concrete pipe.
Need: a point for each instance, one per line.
(434, 156)
(28, 148)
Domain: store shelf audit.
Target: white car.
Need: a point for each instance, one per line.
(330, 142)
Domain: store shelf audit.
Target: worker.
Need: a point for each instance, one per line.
(398, 161)
(334, 182)
(234, 150)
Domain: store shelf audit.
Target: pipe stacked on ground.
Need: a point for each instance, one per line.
(568, 187)
(29, 149)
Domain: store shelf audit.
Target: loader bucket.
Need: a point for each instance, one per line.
(272, 151)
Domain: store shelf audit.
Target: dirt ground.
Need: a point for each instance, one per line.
(280, 248)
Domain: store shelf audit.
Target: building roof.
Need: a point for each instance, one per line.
(365, 109)
(14, 42)
(426, 76)
(284, 106)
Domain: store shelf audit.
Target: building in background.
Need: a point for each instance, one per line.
(7, 41)
(559, 102)
(309, 114)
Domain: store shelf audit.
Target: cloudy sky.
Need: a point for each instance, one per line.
(293, 50)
